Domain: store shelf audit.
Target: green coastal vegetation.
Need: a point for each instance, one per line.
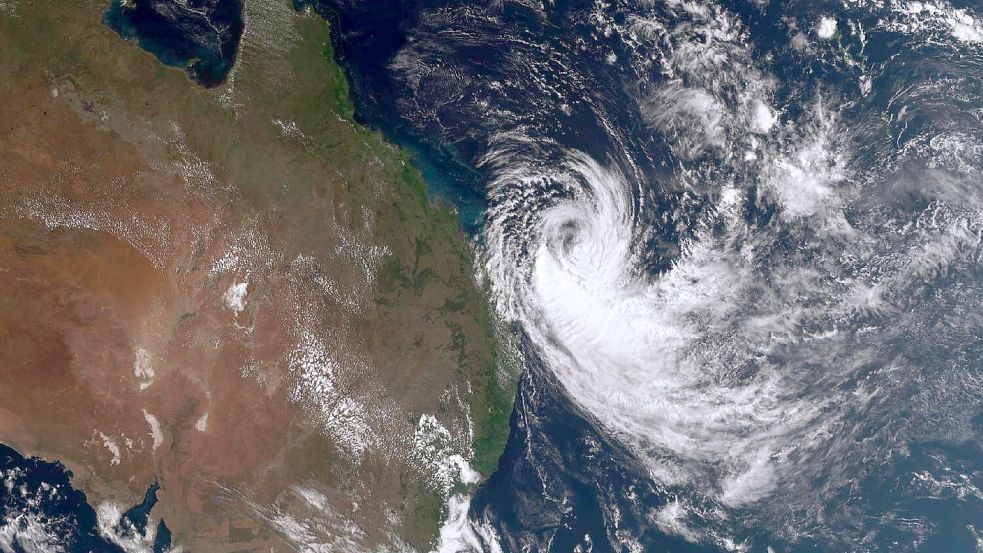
(282, 131)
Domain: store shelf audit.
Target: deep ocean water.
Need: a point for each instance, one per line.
(201, 36)
(43, 512)
(741, 243)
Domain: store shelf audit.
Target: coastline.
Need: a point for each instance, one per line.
(426, 283)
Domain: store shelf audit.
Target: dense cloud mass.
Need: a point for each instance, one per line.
(744, 239)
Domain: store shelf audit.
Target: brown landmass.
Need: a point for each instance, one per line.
(237, 291)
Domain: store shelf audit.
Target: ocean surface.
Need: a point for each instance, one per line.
(42, 511)
(740, 242)
(200, 36)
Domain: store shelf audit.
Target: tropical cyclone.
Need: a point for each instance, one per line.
(238, 290)
(744, 240)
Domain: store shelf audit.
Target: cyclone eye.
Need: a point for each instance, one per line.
(569, 234)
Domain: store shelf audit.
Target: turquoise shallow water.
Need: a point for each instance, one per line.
(200, 36)
(827, 156)
(513, 88)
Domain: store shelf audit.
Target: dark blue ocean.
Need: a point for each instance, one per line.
(563, 483)
(801, 178)
(200, 36)
(44, 512)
